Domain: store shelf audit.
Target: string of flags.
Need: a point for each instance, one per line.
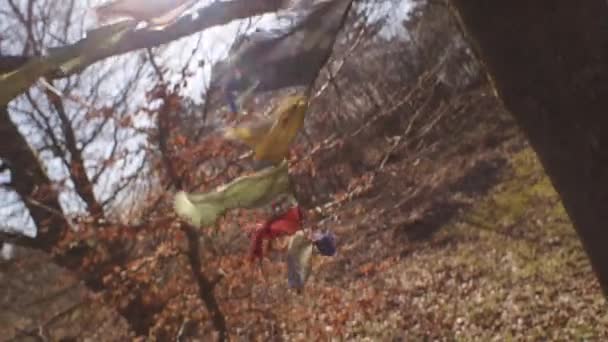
(268, 61)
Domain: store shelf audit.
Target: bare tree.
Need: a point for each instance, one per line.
(81, 138)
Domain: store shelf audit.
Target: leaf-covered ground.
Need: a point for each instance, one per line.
(463, 238)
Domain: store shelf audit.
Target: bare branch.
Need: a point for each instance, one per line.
(205, 287)
(77, 170)
(10, 63)
(117, 39)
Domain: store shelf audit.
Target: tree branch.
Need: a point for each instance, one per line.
(77, 170)
(205, 287)
(120, 38)
(10, 63)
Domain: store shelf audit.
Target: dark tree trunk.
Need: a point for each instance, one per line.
(32, 184)
(548, 60)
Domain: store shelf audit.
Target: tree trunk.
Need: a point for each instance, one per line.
(32, 184)
(548, 60)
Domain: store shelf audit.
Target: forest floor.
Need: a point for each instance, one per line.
(464, 239)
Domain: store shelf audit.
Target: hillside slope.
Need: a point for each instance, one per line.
(457, 235)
